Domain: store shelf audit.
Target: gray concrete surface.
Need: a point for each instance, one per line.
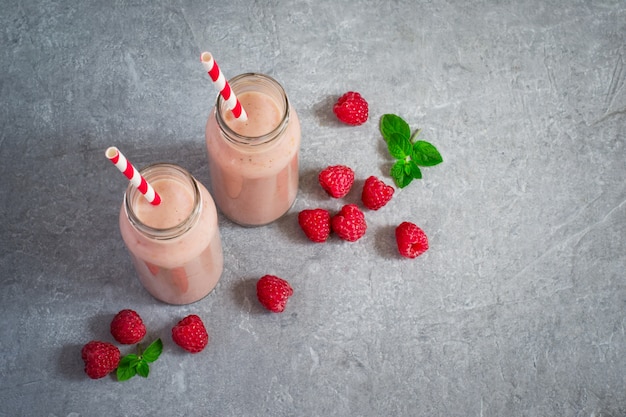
(517, 309)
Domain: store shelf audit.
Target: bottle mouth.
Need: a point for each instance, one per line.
(153, 173)
(254, 82)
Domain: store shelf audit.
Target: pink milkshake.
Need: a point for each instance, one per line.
(254, 164)
(175, 246)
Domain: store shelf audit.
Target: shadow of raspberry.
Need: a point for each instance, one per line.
(323, 111)
(385, 242)
(244, 294)
(69, 362)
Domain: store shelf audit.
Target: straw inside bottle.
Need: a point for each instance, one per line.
(136, 179)
(232, 103)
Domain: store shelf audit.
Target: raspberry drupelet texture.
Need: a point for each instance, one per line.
(190, 334)
(315, 224)
(349, 224)
(351, 109)
(411, 240)
(127, 327)
(101, 358)
(336, 180)
(376, 193)
(273, 293)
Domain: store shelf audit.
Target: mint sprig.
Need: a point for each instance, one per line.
(137, 364)
(409, 153)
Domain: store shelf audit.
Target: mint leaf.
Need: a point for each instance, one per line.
(399, 146)
(399, 173)
(425, 154)
(125, 371)
(129, 360)
(409, 153)
(131, 364)
(391, 123)
(153, 351)
(143, 369)
(413, 170)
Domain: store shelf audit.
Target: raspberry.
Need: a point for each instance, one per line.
(351, 108)
(411, 240)
(315, 223)
(127, 327)
(349, 223)
(376, 193)
(273, 293)
(336, 180)
(190, 334)
(101, 358)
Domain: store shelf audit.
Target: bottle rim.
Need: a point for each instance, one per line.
(151, 173)
(236, 86)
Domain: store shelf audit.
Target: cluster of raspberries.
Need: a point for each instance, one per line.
(127, 328)
(349, 224)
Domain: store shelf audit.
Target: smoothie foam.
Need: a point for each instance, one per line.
(176, 205)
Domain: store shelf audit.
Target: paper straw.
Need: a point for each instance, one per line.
(133, 175)
(232, 103)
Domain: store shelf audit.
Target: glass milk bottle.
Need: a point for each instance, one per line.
(175, 246)
(253, 164)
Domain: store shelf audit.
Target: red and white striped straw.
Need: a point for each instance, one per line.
(133, 175)
(232, 103)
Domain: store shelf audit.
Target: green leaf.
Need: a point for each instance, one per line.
(397, 170)
(406, 180)
(409, 152)
(425, 154)
(131, 364)
(129, 360)
(153, 351)
(143, 369)
(391, 123)
(398, 173)
(125, 372)
(413, 170)
(399, 146)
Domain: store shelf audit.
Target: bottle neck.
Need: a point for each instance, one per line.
(176, 176)
(260, 83)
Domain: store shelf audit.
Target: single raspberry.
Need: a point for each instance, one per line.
(349, 223)
(127, 327)
(351, 108)
(336, 180)
(273, 293)
(101, 358)
(315, 223)
(376, 193)
(411, 240)
(190, 334)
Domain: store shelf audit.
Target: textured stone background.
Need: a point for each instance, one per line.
(518, 308)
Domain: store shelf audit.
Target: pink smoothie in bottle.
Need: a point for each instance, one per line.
(254, 163)
(175, 246)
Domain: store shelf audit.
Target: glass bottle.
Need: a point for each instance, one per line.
(175, 246)
(254, 164)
